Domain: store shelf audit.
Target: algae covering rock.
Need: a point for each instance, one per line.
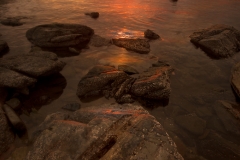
(137, 45)
(103, 132)
(218, 41)
(59, 35)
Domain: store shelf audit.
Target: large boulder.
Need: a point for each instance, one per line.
(137, 45)
(59, 35)
(235, 79)
(22, 70)
(218, 41)
(103, 132)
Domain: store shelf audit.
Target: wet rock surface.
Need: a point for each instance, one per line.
(22, 71)
(235, 78)
(110, 82)
(106, 132)
(137, 45)
(58, 35)
(150, 34)
(13, 21)
(72, 106)
(3, 47)
(218, 41)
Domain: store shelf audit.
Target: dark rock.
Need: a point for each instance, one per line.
(235, 78)
(160, 64)
(93, 14)
(103, 132)
(6, 134)
(126, 98)
(98, 41)
(137, 45)
(127, 69)
(15, 120)
(59, 35)
(14, 103)
(192, 123)
(218, 41)
(153, 83)
(3, 47)
(150, 34)
(34, 64)
(72, 106)
(13, 21)
(12, 79)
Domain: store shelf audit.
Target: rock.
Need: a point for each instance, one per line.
(218, 41)
(192, 123)
(110, 82)
(34, 64)
(98, 41)
(93, 14)
(137, 45)
(59, 35)
(127, 69)
(235, 78)
(103, 132)
(233, 108)
(150, 34)
(3, 47)
(160, 64)
(72, 106)
(230, 123)
(15, 120)
(14, 103)
(6, 134)
(153, 83)
(13, 21)
(12, 79)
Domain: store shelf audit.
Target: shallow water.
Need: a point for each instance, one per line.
(198, 81)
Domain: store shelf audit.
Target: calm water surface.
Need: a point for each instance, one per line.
(198, 81)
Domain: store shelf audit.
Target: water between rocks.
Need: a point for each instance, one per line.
(198, 81)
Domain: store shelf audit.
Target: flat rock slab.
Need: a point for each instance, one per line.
(137, 45)
(110, 82)
(13, 21)
(218, 41)
(59, 35)
(127, 69)
(103, 132)
(235, 79)
(22, 71)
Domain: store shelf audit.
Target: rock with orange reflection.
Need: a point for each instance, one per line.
(103, 132)
(153, 83)
(218, 41)
(57, 35)
(137, 45)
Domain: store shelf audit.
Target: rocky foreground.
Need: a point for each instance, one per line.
(103, 132)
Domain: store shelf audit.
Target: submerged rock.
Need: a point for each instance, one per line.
(93, 14)
(103, 132)
(218, 41)
(13, 21)
(98, 41)
(235, 79)
(127, 69)
(72, 106)
(59, 35)
(3, 47)
(150, 34)
(137, 45)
